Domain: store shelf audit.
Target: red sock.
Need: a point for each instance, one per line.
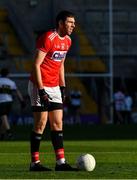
(35, 157)
(60, 157)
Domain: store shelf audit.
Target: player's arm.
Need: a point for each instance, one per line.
(39, 57)
(20, 97)
(62, 80)
(16, 92)
(62, 74)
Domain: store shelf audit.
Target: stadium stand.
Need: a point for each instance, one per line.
(9, 38)
(85, 66)
(85, 46)
(89, 106)
(89, 62)
(92, 53)
(3, 14)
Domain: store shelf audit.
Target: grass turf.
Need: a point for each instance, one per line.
(116, 159)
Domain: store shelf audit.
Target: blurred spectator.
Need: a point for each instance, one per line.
(7, 88)
(128, 107)
(75, 104)
(119, 107)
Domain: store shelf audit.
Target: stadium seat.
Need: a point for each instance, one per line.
(3, 14)
(85, 46)
(92, 66)
(10, 39)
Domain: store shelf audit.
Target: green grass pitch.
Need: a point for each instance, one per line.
(116, 159)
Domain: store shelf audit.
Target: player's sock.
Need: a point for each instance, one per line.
(35, 144)
(57, 141)
(60, 158)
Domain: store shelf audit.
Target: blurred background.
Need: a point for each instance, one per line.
(102, 59)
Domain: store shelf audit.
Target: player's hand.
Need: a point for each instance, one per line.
(44, 97)
(63, 94)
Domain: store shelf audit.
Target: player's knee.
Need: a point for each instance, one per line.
(56, 126)
(39, 128)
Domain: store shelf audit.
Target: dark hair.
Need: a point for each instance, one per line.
(63, 16)
(4, 72)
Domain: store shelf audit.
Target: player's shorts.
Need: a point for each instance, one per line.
(5, 108)
(53, 92)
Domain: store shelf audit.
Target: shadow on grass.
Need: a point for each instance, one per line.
(83, 132)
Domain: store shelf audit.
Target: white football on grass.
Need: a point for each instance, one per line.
(86, 162)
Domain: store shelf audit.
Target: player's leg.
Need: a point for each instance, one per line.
(2, 129)
(5, 126)
(5, 122)
(40, 119)
(55, 118)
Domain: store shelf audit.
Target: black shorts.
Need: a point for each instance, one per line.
(51, 107)
(5, 108)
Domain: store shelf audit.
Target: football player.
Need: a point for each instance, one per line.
(47, 90)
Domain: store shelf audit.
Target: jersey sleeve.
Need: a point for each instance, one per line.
(44, 43)
(13, 85)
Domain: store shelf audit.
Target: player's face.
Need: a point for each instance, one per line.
(69, 25)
